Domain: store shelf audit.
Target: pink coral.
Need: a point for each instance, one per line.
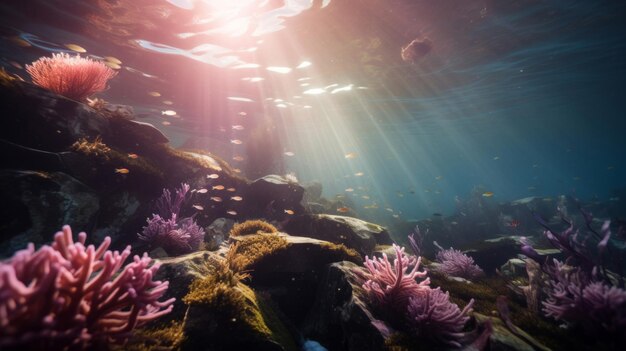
(72, 296)
(74, 77)
(391, 287)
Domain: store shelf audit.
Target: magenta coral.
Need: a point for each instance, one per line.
(391, 286)
(72, 76)
(72, 296)
(456, 263)
(433, 316)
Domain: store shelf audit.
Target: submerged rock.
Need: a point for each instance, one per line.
(339, 318)
(34, 202)
(352, 232)
(274, 195)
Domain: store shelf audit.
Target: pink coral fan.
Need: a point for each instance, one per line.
(72, 296)
(391, 286)
(456, 263)
(434, 316)
(74, 77)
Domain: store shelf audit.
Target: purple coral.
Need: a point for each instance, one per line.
(434, 316)
(576, 298)
(456, 263)
(72, 296)
(413, 306)
(166, 206)
(390, 286)
(167, 230)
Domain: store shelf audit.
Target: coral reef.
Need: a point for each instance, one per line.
(74, 77)
(69, 295)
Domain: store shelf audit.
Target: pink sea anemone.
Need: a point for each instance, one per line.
(74, 77)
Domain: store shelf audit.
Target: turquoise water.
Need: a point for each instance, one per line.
(518, 98)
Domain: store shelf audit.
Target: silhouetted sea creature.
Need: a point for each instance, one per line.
(416, 50)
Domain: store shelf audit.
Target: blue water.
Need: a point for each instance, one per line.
(518, 98)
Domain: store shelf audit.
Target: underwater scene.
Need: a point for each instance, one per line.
(279, 175)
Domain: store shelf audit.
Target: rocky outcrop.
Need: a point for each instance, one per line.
(339, 319)
(37, 204)
(352, 232)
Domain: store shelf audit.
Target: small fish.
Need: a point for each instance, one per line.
(488, 194)
(113, 60)
(16, 65)
(168, 102)
(122, 170)
(350, 155)
(168, 113)
(216, 198)
(495, 158)
(237, 127)
(202, 191)
(213, 176)
(218, 187)
(395, 216)
(242, 113)
(438, 177)
(232, 213)
(133, 156)
(343, 209)
(358, 174)
(514, 223)
(166, 123)
(198, 207)
(535, 165)
(236, 170)
(437, 214)
(289, 153)
(289, 212)
(236, 198)
(20, 42)
(238, 158)
(365, 197)
(76, 48)
(236, 141)
(154, 93)
(389, 209)
(231, 189)
(112, 65)
(349, 190)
